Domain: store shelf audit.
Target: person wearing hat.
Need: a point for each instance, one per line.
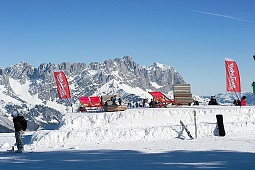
(20, 125)
(243, 101)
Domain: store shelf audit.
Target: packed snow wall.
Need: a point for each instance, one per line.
(144, 124)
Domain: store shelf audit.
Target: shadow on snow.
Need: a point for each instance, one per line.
(127, 159)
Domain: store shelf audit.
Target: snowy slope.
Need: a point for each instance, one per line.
(116, 87)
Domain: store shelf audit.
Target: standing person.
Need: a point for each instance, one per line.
(120, 101)
(20, 125)
(243, 101)
(113, 99)
(237, 102)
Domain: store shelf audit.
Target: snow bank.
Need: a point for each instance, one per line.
(144, 124)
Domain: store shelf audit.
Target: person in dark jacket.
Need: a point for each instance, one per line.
(120, 101)
(237, 102)
(213, 101)
(20, 125)
(113, 99)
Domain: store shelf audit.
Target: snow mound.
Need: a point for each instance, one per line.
(144, 124)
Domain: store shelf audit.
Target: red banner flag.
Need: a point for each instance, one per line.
(62, 85)
(232, 77)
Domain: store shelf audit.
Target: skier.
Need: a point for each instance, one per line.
(20, 125)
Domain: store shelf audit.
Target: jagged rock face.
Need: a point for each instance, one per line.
(127, 71)
(83, 80)
(87, 79)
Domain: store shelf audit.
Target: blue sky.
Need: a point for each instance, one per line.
(192, 36)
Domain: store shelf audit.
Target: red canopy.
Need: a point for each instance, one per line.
(91, 101)
(160, 97)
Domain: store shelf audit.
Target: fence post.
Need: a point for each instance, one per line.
(195, 121)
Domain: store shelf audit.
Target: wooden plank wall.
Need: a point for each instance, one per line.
(182, 94)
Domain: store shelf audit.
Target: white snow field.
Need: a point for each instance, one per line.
(142, 138)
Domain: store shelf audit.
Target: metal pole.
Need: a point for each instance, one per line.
(195, 121)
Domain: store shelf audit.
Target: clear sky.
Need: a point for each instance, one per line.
(193, 36)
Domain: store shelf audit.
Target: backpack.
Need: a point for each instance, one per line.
(24, 124)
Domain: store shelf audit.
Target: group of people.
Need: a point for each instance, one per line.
(153, 103)
(114, 100)
(238, 102)
(241, 102)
